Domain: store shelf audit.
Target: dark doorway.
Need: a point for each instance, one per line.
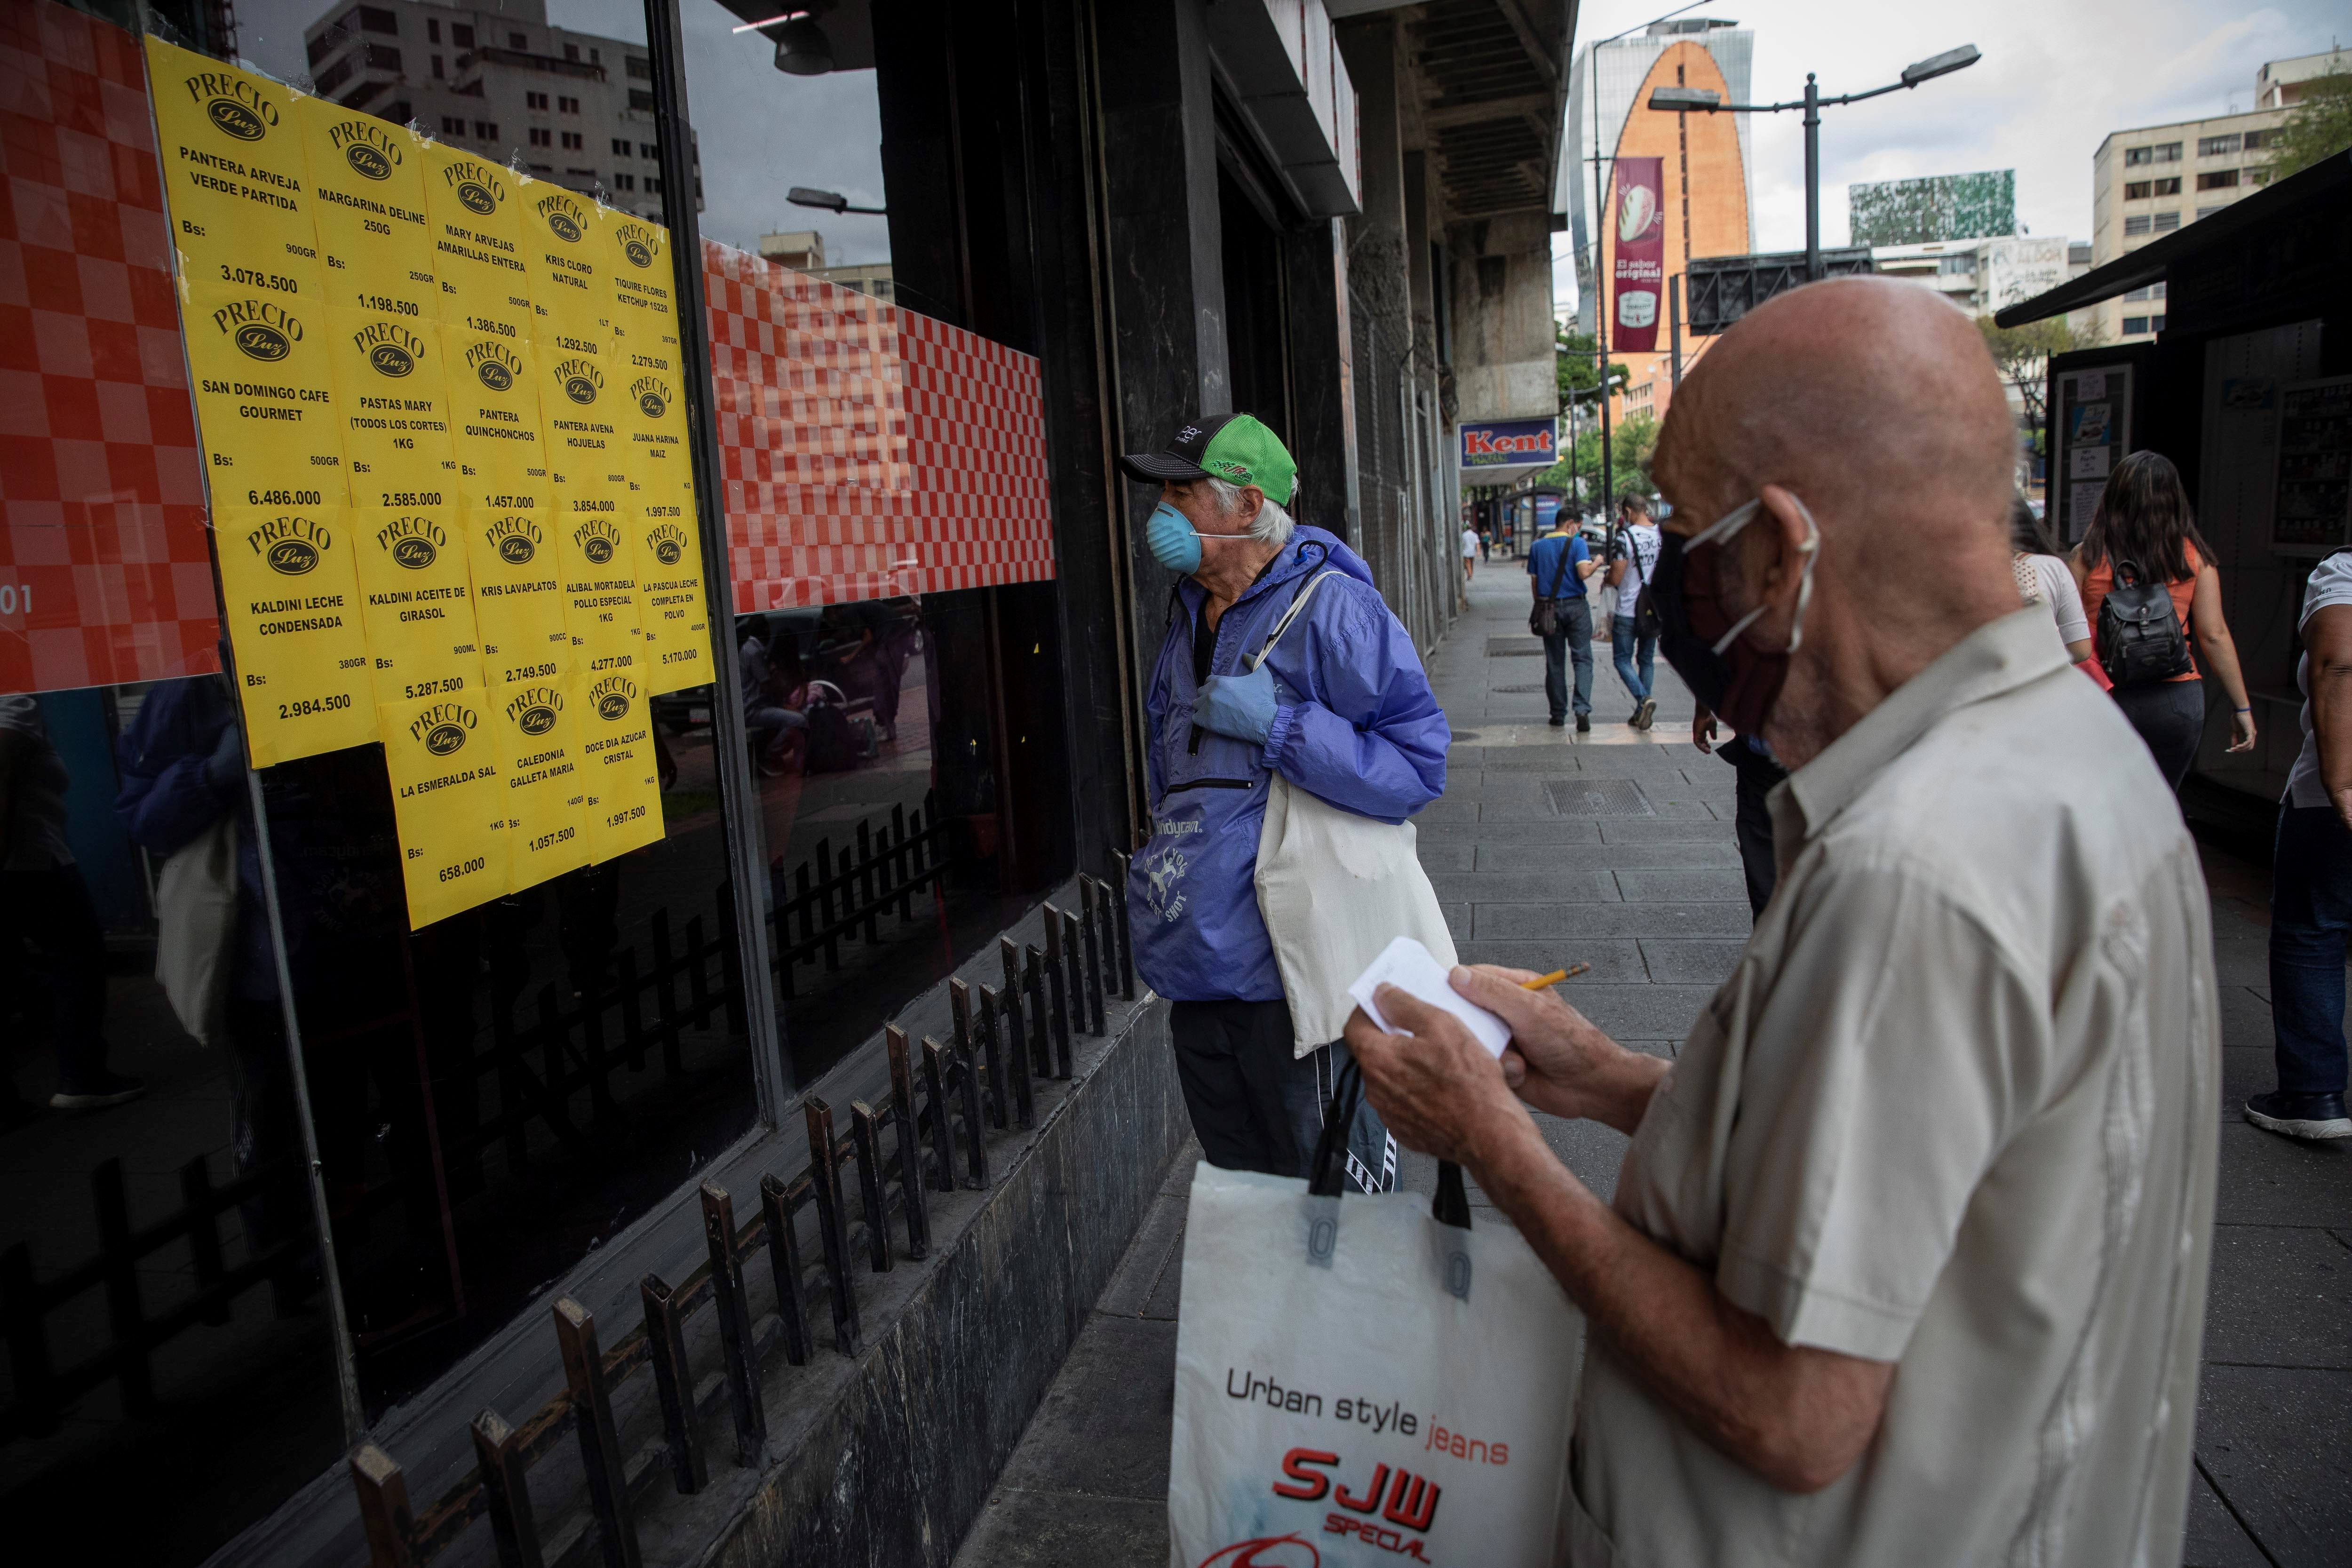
(1257, 335)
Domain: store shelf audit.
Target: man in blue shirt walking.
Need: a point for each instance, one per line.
(1557, 565)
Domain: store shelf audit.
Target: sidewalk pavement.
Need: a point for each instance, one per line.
(1615, 849)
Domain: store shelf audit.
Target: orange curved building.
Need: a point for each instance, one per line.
(1703, 192)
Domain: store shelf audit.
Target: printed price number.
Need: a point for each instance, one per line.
(282, 498)
(618, 817)
(531, 671)
(410, 498)
(485, 324)
(250, 278)
(435, 688)
(388, 305)
(309, 707)
(558, 837)
(463, 869)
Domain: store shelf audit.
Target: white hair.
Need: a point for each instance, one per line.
(1272, 525)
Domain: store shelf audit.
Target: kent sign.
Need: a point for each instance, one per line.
(1508, 443)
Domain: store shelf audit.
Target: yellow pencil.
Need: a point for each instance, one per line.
(1555, 977)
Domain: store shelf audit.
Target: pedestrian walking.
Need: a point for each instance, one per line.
(1469, 556)
(1557, 565)
(1486, 545)
(1341, 709)
(1633, 634)
(2311, 877)
(2143, 536)
(1907, 1257)
(2042, 578)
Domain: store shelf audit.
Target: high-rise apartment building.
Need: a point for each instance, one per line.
(2147, 183)
(569, 107)
(1705, 190)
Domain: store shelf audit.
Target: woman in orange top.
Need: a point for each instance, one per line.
(2144, 519)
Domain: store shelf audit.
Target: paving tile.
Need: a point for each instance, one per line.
(1647, 830)
(1514, 834)
(1147, 1256)
(1671, 962)
(1644, 1012)
(2281, 1296)
(1715, 849)
(1021, 1529)
(2215, 1538)
(2246, 1071)
(1657, 887)
(1613, 962)
(1540, 922)
(1102, 1429)
(1529, 885)
(1457, 920)
(1445, 856)
(2270, 1180)
(2277, 1446)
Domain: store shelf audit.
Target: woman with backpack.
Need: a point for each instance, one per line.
(2149, 589)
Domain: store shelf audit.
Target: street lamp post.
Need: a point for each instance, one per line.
(1705, 100)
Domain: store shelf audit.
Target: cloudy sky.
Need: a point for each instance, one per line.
(2057, 76)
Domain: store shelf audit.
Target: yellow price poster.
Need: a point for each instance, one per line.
(265, 402)
(671, 608)
(367, 194)
(234, 179)
(540, 737)
(645, 302)
(291, 589)
(622, 809)
(565, 255)
(651, 417)
(471, 207)
(394, 399)
(493, 416)
(417, 600)
(600, 586)
(518, 592)
(584, 451)
(449, 802)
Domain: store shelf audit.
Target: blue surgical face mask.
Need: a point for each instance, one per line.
(1171, 541)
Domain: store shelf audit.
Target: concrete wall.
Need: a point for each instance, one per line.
(1502, 320)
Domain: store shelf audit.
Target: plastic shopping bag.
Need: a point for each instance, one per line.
(1358, 1382)
(195, 920)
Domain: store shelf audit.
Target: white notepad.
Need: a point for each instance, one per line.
(1407, 966)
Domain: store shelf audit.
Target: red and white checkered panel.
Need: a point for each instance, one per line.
(867, 450)
(104, 576)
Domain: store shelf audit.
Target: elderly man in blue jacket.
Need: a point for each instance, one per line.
(1341, 709)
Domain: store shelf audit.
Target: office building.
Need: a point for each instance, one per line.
(803, 250)
(2148, 181)
(573, 108)
(1936, 207)
(1705, 189)
(1982, 275)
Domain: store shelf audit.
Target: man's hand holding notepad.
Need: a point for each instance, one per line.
(1407, 966)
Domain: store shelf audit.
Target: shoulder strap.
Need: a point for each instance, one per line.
(1560, 576)
(1290, 615)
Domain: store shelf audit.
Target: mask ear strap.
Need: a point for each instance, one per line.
(1810, 549)
(1725, 526)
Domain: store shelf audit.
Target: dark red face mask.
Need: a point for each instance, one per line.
(1739, 684)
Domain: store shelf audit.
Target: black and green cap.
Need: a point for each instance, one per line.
(1234, 448)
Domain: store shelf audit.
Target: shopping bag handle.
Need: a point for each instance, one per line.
(1325, 1181)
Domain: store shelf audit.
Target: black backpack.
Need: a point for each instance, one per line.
(832, 739)
(2140, 639)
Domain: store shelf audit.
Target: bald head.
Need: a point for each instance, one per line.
(1868, 410)
(1872, 399)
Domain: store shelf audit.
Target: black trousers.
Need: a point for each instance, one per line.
(1752, 822)
(1256, 1106)
(2170, 717)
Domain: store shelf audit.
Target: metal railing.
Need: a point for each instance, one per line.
(944, 1101)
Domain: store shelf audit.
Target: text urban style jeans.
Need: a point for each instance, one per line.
(1636, 656)
(1574, 617)
(2311, 916)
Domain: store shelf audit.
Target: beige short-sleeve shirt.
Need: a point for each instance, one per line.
(1955, 1110)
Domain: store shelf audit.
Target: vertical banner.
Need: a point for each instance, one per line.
(1639, 273)
(449, 803)
(539, 734)
(291, 588)
(623, 807)
(417, 601)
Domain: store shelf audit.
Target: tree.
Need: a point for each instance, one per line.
(2021, 354)
(1573, 356)
(2319, 127)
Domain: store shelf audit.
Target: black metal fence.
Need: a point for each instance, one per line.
(944, 1101)
(832, 898)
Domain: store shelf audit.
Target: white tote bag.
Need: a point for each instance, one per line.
(1359, 1383)
(1335, 889)
(196, 922)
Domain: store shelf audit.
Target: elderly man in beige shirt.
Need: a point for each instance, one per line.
(1907, 1263)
